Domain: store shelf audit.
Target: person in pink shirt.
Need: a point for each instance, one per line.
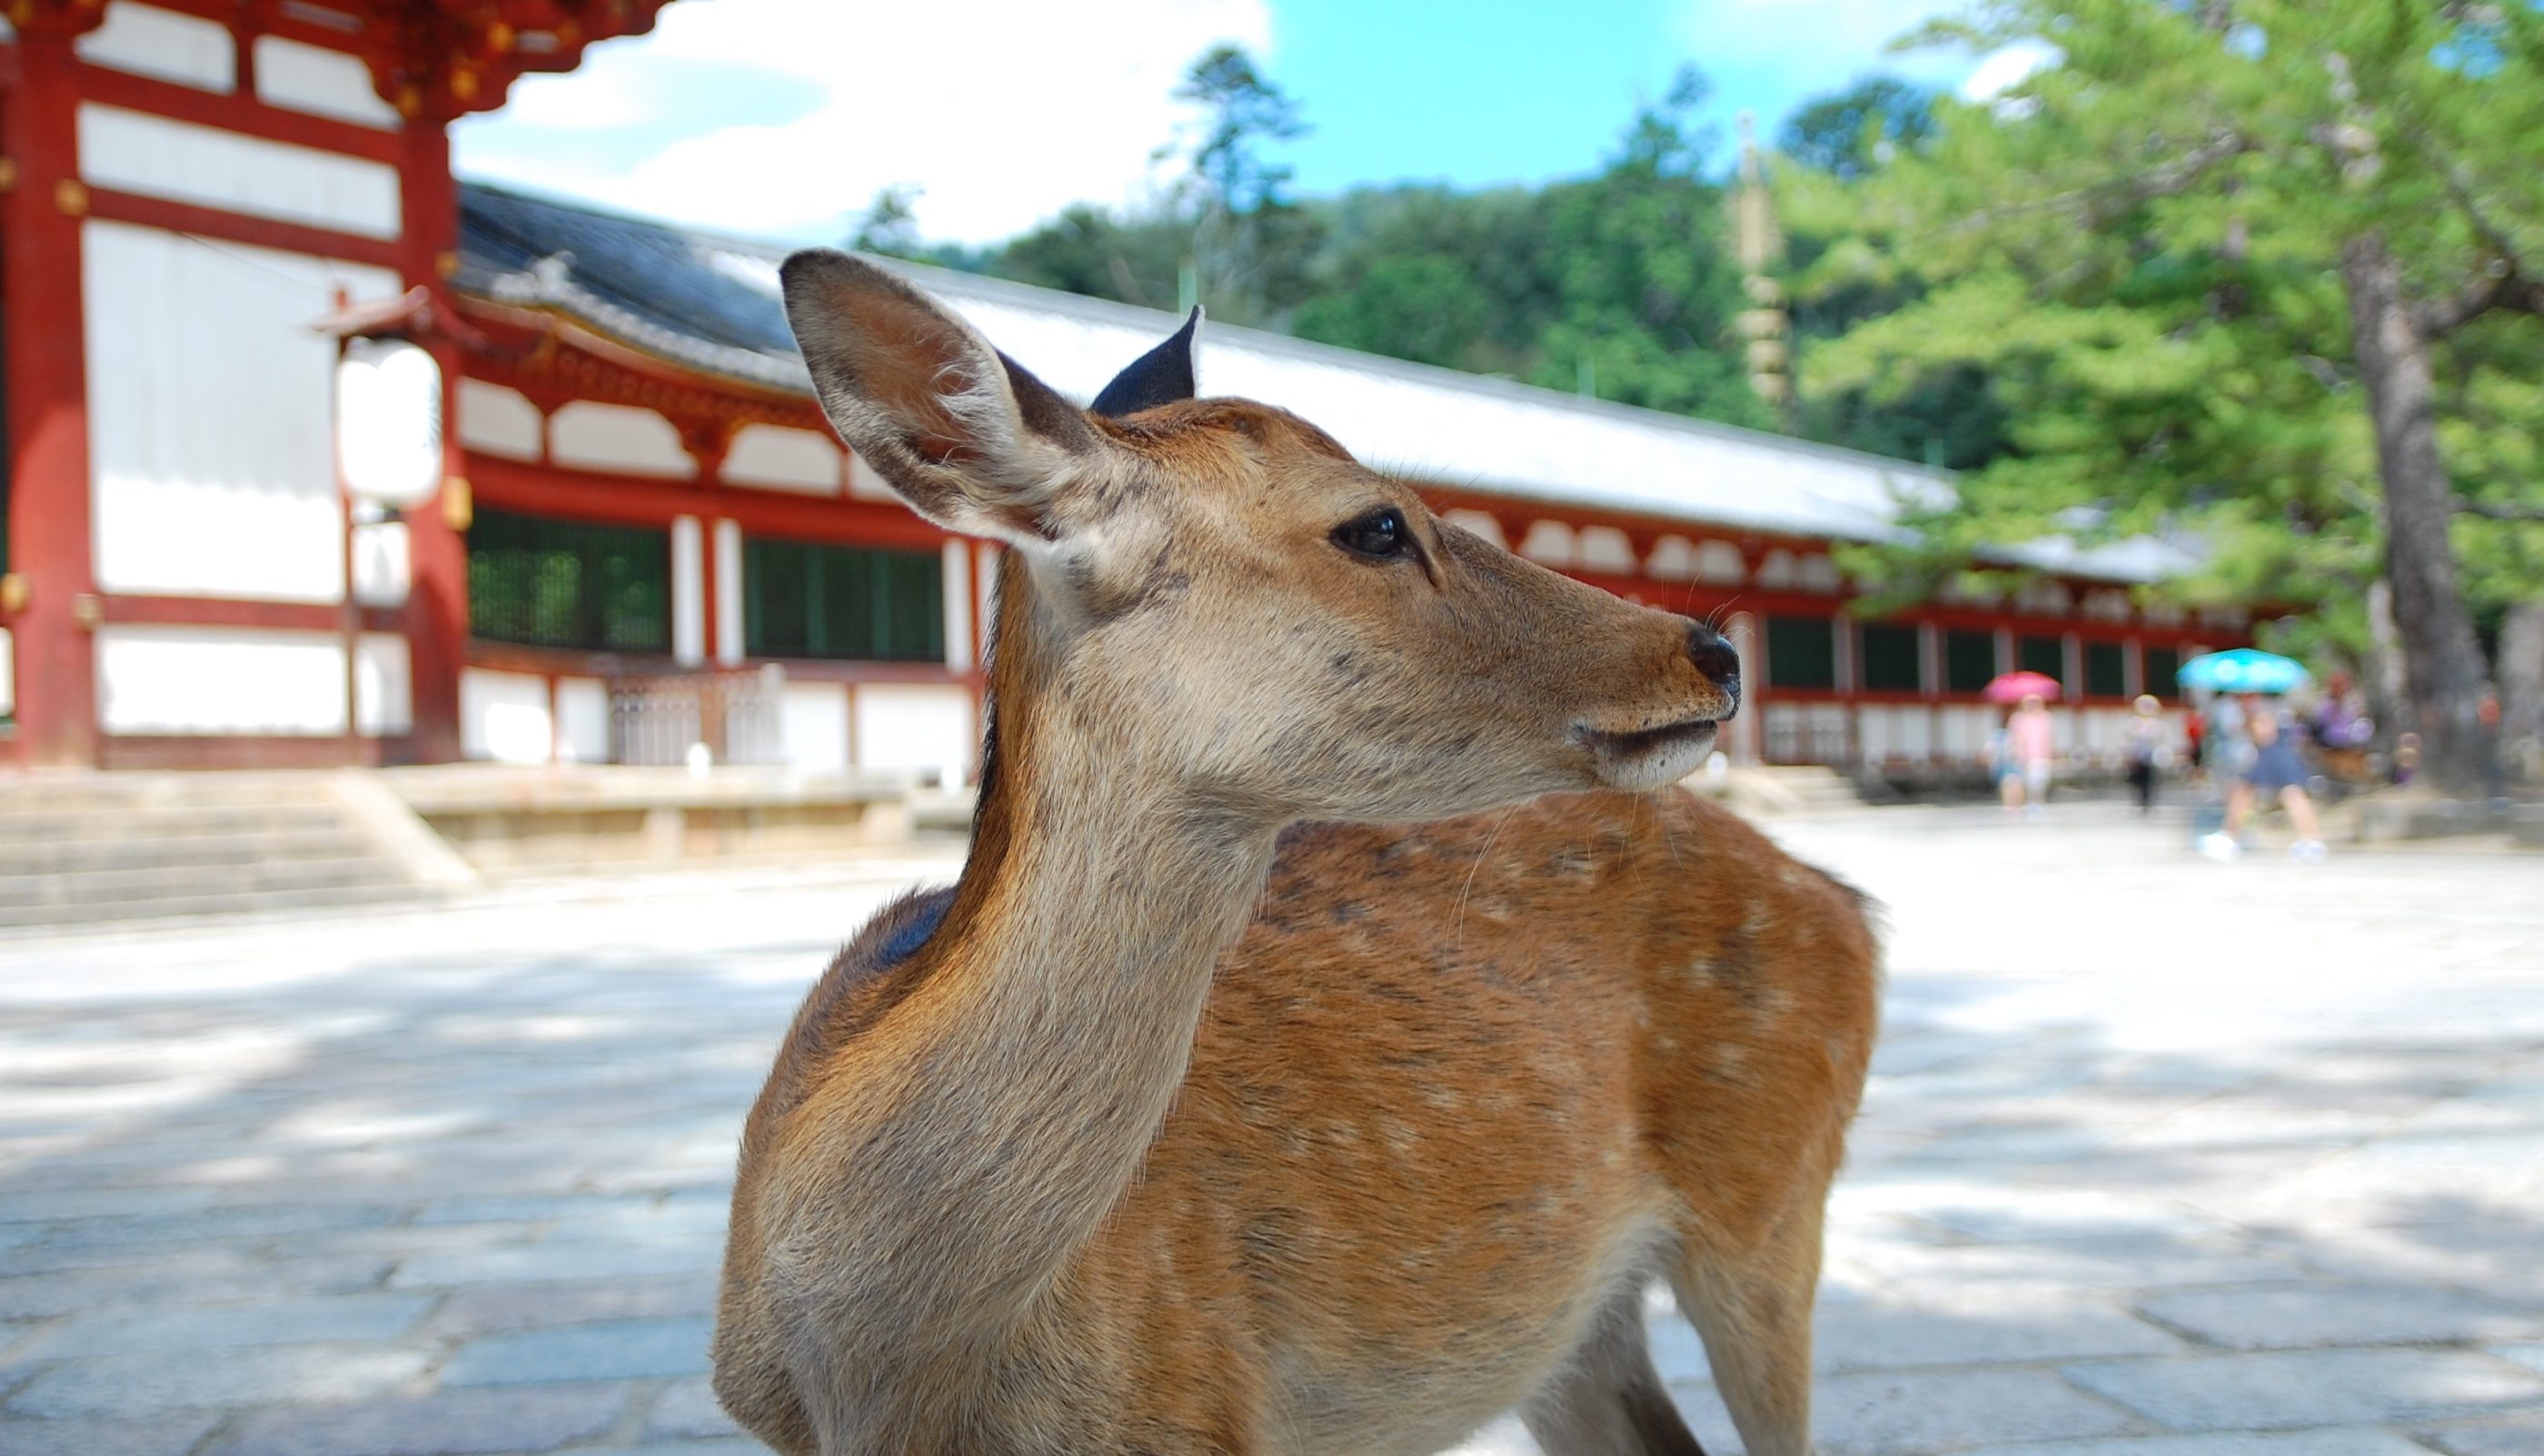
(2030, 742)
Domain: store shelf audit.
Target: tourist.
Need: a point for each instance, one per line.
(2272, 770)
(2030, 744)
(2148, 751)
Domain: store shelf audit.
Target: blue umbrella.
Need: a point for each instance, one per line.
(2244, 670)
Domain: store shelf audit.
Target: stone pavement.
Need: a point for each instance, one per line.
(2162, 1158)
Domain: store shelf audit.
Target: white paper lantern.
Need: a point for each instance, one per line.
(389, 421)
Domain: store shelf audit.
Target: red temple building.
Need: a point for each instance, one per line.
(644, 537)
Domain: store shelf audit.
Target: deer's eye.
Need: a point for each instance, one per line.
(1379, 535)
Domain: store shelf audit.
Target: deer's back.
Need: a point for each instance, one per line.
(1453, 1083)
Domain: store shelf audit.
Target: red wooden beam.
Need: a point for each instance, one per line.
(233, 227)
(244, 115)
(589, 496)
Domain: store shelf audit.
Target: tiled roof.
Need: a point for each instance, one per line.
(711, 303)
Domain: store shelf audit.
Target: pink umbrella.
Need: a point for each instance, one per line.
(2013, 687)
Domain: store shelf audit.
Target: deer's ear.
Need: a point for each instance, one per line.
(972, 441)
(1160, 376)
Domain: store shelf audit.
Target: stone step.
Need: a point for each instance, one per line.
(124, 851)
(55, 917)
(75, 793)
(109, 894)
(175, 821)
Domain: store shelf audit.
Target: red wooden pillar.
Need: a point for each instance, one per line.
(436, 610)
(50, 543)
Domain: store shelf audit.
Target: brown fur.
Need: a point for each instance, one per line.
(1173, 1137)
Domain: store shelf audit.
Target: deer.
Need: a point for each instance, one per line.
(1341, 1017)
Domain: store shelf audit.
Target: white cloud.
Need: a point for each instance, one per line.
(1003, 111)
(2001, 70)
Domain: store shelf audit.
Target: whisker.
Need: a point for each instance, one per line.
(1460, 927)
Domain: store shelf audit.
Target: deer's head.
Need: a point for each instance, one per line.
(1227, 601)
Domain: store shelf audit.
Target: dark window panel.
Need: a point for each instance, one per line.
(560, 583)
(1969, 660)
(803, 599)
(2046, 656)
(2164, 671)
(2106, 673)
(1802, 652)
(1891, 660)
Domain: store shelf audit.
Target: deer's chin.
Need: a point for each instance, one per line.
(1650, 758)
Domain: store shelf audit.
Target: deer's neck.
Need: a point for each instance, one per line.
(1023, 1078)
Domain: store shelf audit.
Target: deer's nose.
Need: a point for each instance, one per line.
(1714, 656)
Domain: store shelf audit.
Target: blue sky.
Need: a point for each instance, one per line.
(784, 118)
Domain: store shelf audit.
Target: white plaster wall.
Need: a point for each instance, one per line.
(728, 579)
(619, 438)
(1912, 731)
(219, 680)
(147, 41)
(383, 685)
(920, 727)
(299, 77)
(1548, 543)
(505, 717)
(582, 720)
(1721, 562)
(865, 485)
(1872, 737)
(8, 672)
(1482, 524)
(129, 151)
(210, 443)
(1603, 549)
(814, 718)
(383, 564)
(1673, 558)
(781, 459)
(689, 593)
(499, 421)
(958, 605)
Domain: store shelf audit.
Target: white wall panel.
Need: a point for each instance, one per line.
(1603, 549)
(147, 41)
(8, 672)
(383, 564)
(958, 605)
(782, 459)
(324, 83)
(499, 421)
(219, 680)
(505, 717)
(916, 726)
(210, 444)
(689, 593)
(619, 438)
(582, 720)
(130, 151)
(728, 592)
(813, 716)
(1548, 543)
(383, 685)
(1912, 731)
(866, 485)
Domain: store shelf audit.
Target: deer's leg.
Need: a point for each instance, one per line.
(1754, 1310)
(1610, 1401)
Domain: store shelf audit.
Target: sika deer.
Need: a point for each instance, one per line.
(1179, 1125)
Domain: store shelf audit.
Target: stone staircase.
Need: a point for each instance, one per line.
(98, 848)
(1766, 791)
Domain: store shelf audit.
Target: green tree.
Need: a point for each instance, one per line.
(2265, 268)
(1851, 132)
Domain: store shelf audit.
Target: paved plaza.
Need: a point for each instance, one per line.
(2161, 1158)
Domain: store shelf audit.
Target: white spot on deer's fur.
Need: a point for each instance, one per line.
(1732, 1063)
(1401, 1136)
(1446, 1098)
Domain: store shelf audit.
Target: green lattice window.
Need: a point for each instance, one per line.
(806, 600)
(1802, 652)
(1969, 660)
(1893, 660)
(2046, 656)
(560, 583)
(2107, 673)
(2164, 671)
